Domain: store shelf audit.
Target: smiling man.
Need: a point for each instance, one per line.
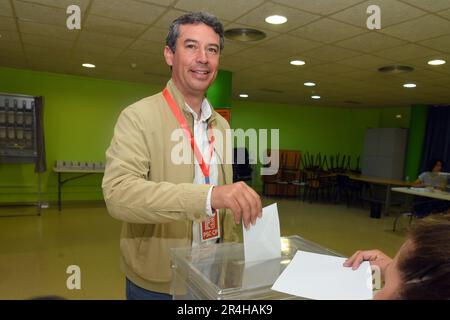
(164, 204)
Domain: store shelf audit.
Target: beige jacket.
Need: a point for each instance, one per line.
(155, 198)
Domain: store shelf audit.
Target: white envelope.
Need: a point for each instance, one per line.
(262, 240)
(260, 274)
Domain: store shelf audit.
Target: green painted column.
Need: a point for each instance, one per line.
(220, 92)
(417, 127)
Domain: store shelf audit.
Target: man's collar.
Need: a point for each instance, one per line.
(205, 112)
(179, 99)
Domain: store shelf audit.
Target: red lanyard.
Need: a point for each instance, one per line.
(177, 113)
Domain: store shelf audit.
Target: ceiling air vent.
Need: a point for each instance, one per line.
(395, 69)
(271, 90)
(244, 34)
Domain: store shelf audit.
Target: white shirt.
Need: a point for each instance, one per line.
(201, 138)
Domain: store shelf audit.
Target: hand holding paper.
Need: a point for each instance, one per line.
(242, 200)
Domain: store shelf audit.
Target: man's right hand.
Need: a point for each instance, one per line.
(242, 200)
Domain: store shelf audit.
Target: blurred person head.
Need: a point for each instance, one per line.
(421, 268)
(436, 165)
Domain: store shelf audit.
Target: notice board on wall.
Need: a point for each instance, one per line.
(384, 153)
(21, 130)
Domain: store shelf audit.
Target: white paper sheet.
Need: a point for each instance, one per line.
(322, 277)
(418, 189)
(262, 240)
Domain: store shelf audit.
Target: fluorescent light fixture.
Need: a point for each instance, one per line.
(315, 97)
(437, 62)
(276, 19)
(409, 85)
(298, 62)
(309, 84)
(398, 116)
(243, 95)
(88, 65)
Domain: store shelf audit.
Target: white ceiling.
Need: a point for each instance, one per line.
(342, 56)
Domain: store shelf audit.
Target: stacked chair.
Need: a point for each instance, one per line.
(315, 177)
(319, 181)
(289, 173)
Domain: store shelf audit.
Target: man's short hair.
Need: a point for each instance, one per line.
(194, 18)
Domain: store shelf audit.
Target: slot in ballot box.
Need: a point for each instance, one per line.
(219, 272)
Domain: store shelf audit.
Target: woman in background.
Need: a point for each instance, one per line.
(432, 178)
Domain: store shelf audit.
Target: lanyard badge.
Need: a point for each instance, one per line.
(210, 226)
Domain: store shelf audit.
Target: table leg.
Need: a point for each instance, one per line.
(387, 203)
(59, 191)
(39, 193)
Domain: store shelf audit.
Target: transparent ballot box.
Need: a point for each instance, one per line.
(219, 272)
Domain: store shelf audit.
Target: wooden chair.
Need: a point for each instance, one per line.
(281, 183)
(270, 186)
(289, 172)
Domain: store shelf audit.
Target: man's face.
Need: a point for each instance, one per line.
(196, 58)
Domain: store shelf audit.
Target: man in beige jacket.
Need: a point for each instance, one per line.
(164, 203)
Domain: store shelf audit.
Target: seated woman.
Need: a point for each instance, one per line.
(431, 179)
(420, 269)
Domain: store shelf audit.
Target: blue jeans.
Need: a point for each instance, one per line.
(133, 292)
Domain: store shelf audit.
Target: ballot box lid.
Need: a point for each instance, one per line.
(219, 271)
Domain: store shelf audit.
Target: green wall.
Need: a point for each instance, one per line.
(219, 93)
(315, 129)
(388, 117)
(418, 125)
(79, 117)
(80, 114)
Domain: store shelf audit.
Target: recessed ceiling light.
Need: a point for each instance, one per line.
(243, 95)
(436, 62)
(309, 84)
(409, 85)
(276, 19)
(298, 62)
(88, 65)
(398, 116)
(315, 97)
